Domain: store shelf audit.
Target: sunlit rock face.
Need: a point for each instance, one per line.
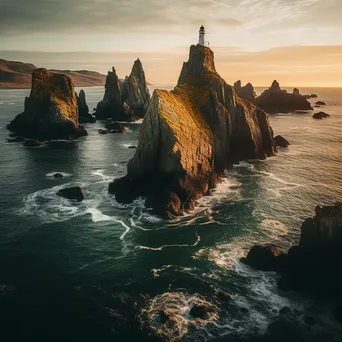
(277, 100)
(245, 92)
(112, 106)
(190, 136)
(135, 92)
(51, 110)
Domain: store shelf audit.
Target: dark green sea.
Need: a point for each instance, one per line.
(101, 271)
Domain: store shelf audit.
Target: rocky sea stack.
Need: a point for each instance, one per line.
(83, 109)
(246, 92)
(277, 100)
(135, 92)
(51, 110)
(112, 107)
(190, 136)
(315, 264)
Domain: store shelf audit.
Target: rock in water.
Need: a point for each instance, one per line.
(32, 143)
(247, 92)
(320, 103)
(135, 92)
(296, 91)
(74, 193)
(281, 141)
(320, 115)
(112, 106)
(83, 109)
(276, 100)
(190, 136)
(51, 109)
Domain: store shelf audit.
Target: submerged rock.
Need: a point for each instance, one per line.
(74, 193)
(276, 100)
(246, 92)
(58, 175)
(16, 139)
(263, 257)
(112, 105)
(320, 115)
(190, 136)
(83, 110)
(320, 103)
(51, 110)
(135, 92)
(201, 311)
(103, 131)
(281, 141)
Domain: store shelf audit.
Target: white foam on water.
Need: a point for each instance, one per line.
(274, 229)
(176, 306)
(244, 164)
(100, 173)
(198, 239)
(97, 216)
(127, 145)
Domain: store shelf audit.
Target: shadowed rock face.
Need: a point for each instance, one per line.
(83, 109)
(112, 105)
(315, 264)
(135, 92)
(190, 136)
(246, 92)
(276, 100)
(51, 110)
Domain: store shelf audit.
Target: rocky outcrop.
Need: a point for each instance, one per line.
(190, 136)
(74, 193)
(135, 92)
(296, 91)
(321, 115)
(83, 109)
(112, 106)
(276, 100)
(315, 264)
(51, 110)
(281, 141)
(246, 92)
(320, 103)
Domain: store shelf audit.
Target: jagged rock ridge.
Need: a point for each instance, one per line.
(277, 100)
(83, 109)
(135, 92)
(51, 110)
(190, 136)
(245, 92)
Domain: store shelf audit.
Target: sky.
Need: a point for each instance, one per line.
(297, 42)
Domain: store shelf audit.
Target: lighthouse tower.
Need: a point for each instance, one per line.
(201, 36)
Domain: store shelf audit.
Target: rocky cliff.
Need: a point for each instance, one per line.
(112, 105)
(315, 264)
(51, 110)
(277, 100)
(190, 136)
(245, 92)
(135, 92)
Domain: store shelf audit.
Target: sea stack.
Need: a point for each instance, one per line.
(135, 92)
(277, 100)
(246, 92)
(112, 107)
(51, 110)
(190, 136)
(83, 109)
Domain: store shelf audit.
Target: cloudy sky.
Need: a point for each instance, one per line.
(298, 42)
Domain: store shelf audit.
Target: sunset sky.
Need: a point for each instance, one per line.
(297, 42)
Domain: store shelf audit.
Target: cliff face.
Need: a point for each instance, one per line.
(112, 106)
(51, 110)
(190, 136)
(245, 92)
(135, 92)
(276, 100)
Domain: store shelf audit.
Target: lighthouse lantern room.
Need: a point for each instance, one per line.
(201, 36)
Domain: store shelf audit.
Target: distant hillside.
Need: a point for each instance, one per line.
(17, 75)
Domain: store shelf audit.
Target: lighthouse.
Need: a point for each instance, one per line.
(201, 36)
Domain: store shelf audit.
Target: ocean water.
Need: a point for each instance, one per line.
(102, 271)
